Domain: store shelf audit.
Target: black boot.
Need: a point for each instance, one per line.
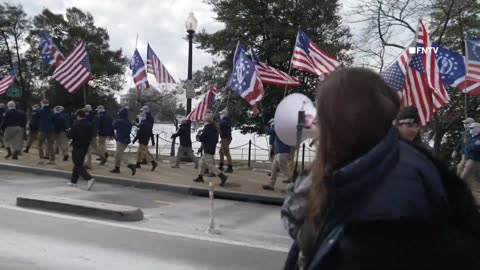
(103, 161)
(144, 161)
(9, 153)
(106, 155)
(15, 155)
(154, 165)
(139, 165)
(133, 168)
(199, 179)
(65, 158)
(230, 169)
(27, 149)
(116, 170)
(220, 167)
(223, 179)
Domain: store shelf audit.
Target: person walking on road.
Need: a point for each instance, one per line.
(280, 162)
(60, 129)
(226, 140)
(33, 127)
(13, 127)
(46, 132)
(150, 121)
(143, 137)
(185, 148)
(209, 140)
(122, 128)
(91, 117)
(105, 131)
(81, 134)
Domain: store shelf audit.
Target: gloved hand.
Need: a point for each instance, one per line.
(454, 154)
(173, 136)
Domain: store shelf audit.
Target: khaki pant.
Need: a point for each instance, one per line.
(185, 151)
(119, 155)
(280, 163)
(142, 153)
(471, 172)
(208, 162)
(95, 150)
(225, 151)
(49, 138)
(13, 138)
(32, 136)
(102, 144)
(61, 142)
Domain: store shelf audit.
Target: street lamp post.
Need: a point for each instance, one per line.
(190, 25)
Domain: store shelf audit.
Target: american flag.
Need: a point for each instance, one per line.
(429, 62)
(138, 71)
(50, 52)
(411, 85)
(8, 80)
(308, 57)
(271, 75)
(206, 104)
(155, 67)
(245, 80)
(473, 60)
(75, 71)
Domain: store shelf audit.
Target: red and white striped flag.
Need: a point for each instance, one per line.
(155, 67)
(8, 80)
(271, 75)
(473, 59)
(429, 60)
(74, 71)
(308, 57)
(206, 104)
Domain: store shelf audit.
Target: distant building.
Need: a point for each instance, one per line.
(129, 99)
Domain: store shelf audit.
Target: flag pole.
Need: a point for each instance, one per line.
(290, 65)
(84, 95)
(465, 81)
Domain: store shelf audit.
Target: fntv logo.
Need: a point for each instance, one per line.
(421, 50)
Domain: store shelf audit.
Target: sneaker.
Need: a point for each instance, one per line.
(90, 184)
(72, 184)
(268, 187)
(154, 165)
(199, 179)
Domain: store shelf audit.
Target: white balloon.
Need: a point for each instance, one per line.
(286, 118)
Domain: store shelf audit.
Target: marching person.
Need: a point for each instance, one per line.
(122, 128)
(46, 132)
(226, 140)
(33, 127)
(280, 161)
(81, 134)
(149, 119)
(91, 117)
(143, 137)
(105, 130)
(13, 128)
(461, 147)
(60, 129)
(185, 148)
(375, 201)
(209, 140)
(2, 114)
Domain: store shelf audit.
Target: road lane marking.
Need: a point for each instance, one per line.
(208, 238)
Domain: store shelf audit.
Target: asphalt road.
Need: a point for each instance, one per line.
(172, 236)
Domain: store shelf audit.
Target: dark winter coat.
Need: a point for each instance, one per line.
(14, 118)
(91, 117)
(151, 122)
(122, 127)
(2, 114)
(226, 128)
(184, 134)
(34, 121)
(143, 133)
(472, 148)
(67, 118)
(81, 133)
(104, 125)
(209, 138)
(278, 146)
(59, 123)
(45, 121)
(394, 208)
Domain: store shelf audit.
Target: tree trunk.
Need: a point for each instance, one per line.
(25, 91)
(8, 49)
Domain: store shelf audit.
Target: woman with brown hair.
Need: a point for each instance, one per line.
(375, 201)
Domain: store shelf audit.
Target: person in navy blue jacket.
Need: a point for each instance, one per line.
(375, 200)
(226, 140)
(93, 149)
(143, 137)
(61, 127)
(2, 114)
(122, 128)
(150, 121)
(13, 126)
(280, 161)
(46, 132)
(105, 131)
(33, 127)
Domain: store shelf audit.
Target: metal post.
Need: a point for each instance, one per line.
(249, 152)
(212, 229)
(156, 152)
(189, 75)
(303, 157)
(84, 96)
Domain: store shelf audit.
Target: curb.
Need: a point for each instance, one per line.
(82, 207)
(142, 184)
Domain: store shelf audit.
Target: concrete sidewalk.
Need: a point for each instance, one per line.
(244, 184)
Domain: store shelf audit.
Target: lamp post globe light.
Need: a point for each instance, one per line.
(190, 25)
